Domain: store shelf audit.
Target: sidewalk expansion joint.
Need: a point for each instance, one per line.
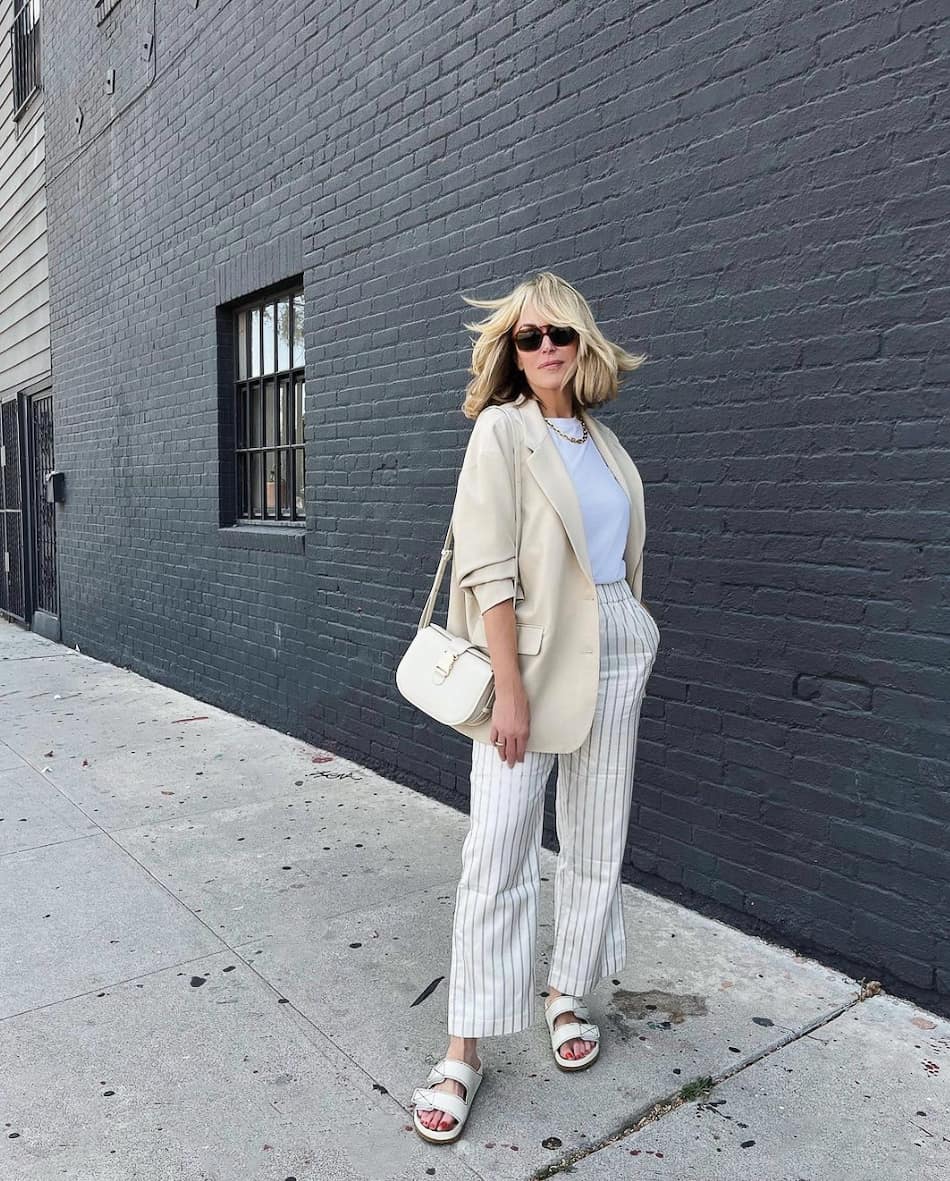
(699, 1088)
(106, 985)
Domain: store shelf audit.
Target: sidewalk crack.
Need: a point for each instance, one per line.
(700, 1087)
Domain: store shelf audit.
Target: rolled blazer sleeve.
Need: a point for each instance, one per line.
(483, 515)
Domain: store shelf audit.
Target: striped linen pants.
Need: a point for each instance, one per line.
(492, 976)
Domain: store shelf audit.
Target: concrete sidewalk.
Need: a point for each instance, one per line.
(224, 958)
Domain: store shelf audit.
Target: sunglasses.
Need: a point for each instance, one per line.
(528, 340)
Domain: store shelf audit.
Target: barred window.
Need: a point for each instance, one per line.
(25, 49)
(269, 409)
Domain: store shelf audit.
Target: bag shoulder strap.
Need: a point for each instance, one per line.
(446, 553)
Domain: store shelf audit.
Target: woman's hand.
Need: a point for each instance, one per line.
(511, 720)
(511, 723)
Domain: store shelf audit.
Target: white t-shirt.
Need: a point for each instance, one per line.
(605, 505)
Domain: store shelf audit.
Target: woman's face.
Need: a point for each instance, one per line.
(544, 368)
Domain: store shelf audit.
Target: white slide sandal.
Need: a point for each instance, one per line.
(585, 1030)
(458, 1108)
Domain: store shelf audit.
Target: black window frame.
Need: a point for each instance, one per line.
(25, 53)
(274, 392)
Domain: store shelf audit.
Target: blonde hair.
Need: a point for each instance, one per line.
(495, 376)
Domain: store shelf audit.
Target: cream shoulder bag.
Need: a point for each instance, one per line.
(447, 676)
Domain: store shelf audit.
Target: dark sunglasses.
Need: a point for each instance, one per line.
(528, 340)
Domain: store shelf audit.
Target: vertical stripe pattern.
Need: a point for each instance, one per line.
(492, 982)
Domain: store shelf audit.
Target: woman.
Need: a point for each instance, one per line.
(571, 656)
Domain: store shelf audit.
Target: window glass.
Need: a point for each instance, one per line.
(255, 342)
(269, 330)
(255, 415)
(298, 435)
(299, 483)
(270, 413)
(285, 482)
(257, 483)
(242, 346)
(283, 334)
(285, 422)
(298, 357)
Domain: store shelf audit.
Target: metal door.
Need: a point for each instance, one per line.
(12, 570)
(43, 514)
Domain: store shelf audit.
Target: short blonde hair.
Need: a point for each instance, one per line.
(495, 376)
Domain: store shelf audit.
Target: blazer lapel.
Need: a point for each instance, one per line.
(545, 464)
(603, 446)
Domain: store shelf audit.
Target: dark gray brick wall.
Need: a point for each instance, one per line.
(754, 194)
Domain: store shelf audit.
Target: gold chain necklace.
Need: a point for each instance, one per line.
(570, 438)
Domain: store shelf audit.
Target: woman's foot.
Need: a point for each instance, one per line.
(463, 1050)
(576, 1048)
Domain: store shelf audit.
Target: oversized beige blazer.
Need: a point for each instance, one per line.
(556, 612)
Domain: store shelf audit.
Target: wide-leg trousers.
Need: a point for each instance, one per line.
(494, 934)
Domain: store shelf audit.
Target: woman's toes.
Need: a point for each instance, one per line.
(437, 1120)
(446, 1121)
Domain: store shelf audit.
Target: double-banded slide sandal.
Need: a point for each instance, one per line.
(583, 1029)
(453, 1105)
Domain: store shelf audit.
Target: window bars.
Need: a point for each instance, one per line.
(269, 409)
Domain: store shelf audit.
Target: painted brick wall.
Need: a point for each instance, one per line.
(753, 194)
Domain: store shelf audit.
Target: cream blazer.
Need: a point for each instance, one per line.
(556, 613)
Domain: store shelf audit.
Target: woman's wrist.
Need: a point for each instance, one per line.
(501, 635)
(510, 685)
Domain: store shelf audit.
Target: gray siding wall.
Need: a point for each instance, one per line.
(754, 194)
(24, 276)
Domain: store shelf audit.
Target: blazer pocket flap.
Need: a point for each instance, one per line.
(529, 638)
(528, 641)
